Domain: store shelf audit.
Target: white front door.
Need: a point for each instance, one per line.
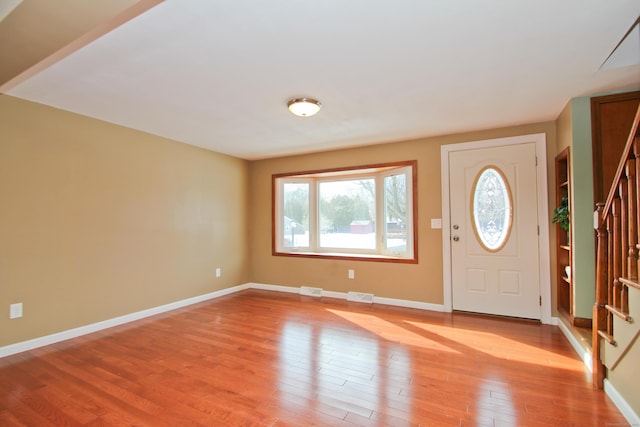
(494, 230)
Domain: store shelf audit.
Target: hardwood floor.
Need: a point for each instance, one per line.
(261, 358)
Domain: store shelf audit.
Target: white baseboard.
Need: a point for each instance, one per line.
(276, 288)
(409, 304)
(345, 295)
(360, 297)
(583, 353)
(310, 291)
(609, 389)
(627, 411)
(109, 323)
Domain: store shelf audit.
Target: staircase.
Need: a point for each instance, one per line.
(627, 333)
(616, 313)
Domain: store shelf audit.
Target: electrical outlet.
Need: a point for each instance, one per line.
(218, 272)
(352, 274)
(15, 310)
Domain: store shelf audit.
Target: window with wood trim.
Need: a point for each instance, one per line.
(365, 212)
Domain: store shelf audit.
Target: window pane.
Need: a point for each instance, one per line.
(362, 212)
(295, 225)
(347, 214)
(491, 209)
(395, 213)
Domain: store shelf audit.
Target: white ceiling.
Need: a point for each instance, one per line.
(218, 74)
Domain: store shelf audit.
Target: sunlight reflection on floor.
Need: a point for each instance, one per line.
(390, 331)
(489, 343)
(500, 347)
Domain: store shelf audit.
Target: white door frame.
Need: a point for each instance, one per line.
(543, 220)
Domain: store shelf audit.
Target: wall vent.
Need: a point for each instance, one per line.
(360, 297)
(309, 291)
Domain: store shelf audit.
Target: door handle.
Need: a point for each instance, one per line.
(456, 238)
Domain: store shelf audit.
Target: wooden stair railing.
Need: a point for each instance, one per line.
(617, 224)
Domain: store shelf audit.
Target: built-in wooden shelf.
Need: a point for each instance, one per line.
(563, 239)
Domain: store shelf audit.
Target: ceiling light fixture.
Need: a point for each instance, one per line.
(304, 107)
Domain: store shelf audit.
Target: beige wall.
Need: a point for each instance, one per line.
(417, 282)
(98, 221)
(565, 130)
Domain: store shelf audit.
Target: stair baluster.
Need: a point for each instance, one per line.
(617, 224)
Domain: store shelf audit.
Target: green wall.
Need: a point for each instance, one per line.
(582, 208)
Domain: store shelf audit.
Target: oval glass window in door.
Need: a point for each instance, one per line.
(491, 208)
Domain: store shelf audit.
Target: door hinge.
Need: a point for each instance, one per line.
(536, 160)
(540, 300)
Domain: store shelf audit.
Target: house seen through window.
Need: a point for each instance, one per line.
(364, 212)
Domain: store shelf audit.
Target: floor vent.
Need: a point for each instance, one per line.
(309, 291)
(360, 297)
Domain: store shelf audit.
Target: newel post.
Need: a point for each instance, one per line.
(599, 311)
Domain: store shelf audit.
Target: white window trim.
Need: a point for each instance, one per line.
(379, 172)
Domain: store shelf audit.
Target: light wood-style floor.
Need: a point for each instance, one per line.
(259, 358)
